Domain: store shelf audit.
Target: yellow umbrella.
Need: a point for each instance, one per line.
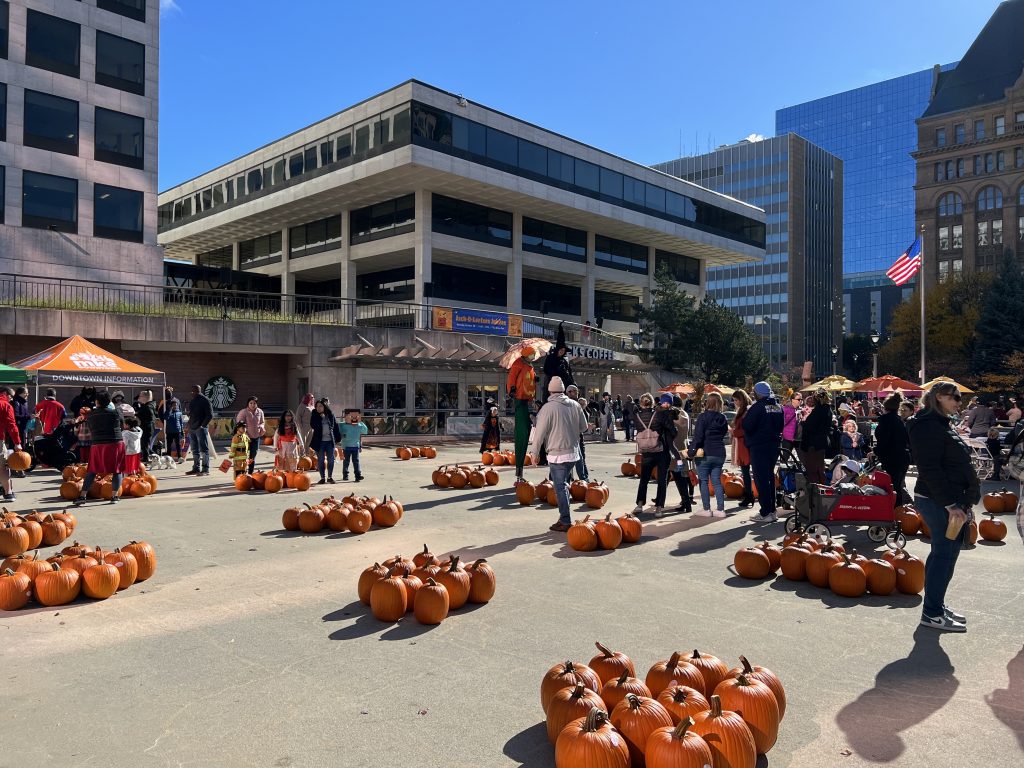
(834, 383)
(946, 380)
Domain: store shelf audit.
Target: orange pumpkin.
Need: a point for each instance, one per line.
(727, 735)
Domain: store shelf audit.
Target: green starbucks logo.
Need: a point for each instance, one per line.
(222, 392)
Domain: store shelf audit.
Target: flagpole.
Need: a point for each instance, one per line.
(921, 272)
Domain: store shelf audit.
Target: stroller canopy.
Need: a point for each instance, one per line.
(79, 362)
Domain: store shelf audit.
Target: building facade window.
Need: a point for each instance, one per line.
(1000, 161)
(685, 269)
(53, 44)
(384, 219)
(3, 112)
(958, 237)
(398, 284)
(543, 296)
(997, 231)
(49, 202)
(120, 63)
(1000, 125)
(943, 238)
(990, 162)
(3, 193)
(959, 133)
(473, 286)
(119, 138)
(219, 258)
(983, 233)
(554, 240)
(979, 130)
(471, 221)
(977, 165)
(5, 25)
(990, 199)
(940, 137)
(961, 168)
(314, 237)
(940, 174)
(265, 249)
(951, 204)
(616, 306)
(949, 169)
(51, 123)
(620, 254)
(1018, 157)
(133, 9)
(117, 213)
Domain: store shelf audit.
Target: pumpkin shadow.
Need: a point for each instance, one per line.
(799, 588)
(706, 542)
(366, 624)
(568, 553)
(51, 609)
(531, 748)
(473, 553)
(449, 494)
(983, 543)
(1005, 703)
(742, 583)
(906, 693)
(281, 533)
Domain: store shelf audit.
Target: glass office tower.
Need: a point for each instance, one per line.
(791, 299)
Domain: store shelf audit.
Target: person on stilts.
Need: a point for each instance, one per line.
(522, 387)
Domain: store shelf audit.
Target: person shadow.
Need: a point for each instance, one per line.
(1007, 704)
(906, 692)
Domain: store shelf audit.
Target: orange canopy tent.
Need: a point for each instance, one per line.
(77, 362)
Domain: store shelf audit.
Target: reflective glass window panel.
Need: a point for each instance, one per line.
(1000, 125)
(560, 167)
(958, 236)
(49, 202)
(426, 396)
(949, 169)
(388, 285)
(119, 138)
(52, 43)
(4, 27)
(120, 63)
(344, 143)
(396, 397)
(478, 139)
(502, 148)
(1018, 157)
(961, 168)
(655, 198)
(295, 165)
(588, 175)
(982, 233)
(51, 122)
(940, 137)
(634, 191)
(977, 165)
(326, 153)
(433, 124)
(990, 162)
(133, 9)
(373, 397)
(611, 184)
(943, 238)
(959, 133)
(997, 232)
(533, 157)
(1000, 161)
(544, 295)
(979, 130)
(3, 112)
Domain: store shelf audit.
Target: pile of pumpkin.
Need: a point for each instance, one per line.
(78, 569)
(20, 533)
(990, 529)
(594, 494)
(501, 458)
(407, 452)
(826, 564)
(274, 481)
(73, 476)
(732, 484)
(689, 711)
(463, 476)
(424, 586)
(352, 513)
(586, 536)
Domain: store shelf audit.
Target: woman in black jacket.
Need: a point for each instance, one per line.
(946, 490)
(662, 422)
(325, 434)
(892, 446)
(814, 438)
(147, 420)
(106, 455)
(707, 448)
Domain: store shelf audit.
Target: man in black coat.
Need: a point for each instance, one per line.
(892, 446)
(762, 432)
(557, 364)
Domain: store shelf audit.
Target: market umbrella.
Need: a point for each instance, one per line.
(678, 388)
(513, 353)
(945, 379)
(833, 383)
(887, 383)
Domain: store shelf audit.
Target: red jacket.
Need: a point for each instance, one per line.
(51, 413)
(8, 427)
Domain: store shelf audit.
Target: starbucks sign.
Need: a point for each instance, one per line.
(222, 392)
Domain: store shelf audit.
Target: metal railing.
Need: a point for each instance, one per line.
(228, 304)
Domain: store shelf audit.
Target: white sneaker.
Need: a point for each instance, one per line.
(943, 623)
(659, 511)
(772, 518)
(719, 513)
(638, 509)
(703, 513)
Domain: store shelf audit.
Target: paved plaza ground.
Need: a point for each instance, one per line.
(249, 647)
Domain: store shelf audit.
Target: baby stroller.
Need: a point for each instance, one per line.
(54, 449)
(786, 473)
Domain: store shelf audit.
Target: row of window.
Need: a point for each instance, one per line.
(52, 123)
(51, 202)
(55, 44)
(990, 162)
(989, 233)
(989, 199)
(980, 128)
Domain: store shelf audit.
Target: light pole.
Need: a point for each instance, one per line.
(875, 338)
(835, 351)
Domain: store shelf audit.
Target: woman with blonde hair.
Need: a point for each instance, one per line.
(740, 454)
(707, 449)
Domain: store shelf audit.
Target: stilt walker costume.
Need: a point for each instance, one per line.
(522, 386)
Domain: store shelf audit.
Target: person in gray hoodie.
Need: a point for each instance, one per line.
(559, 425)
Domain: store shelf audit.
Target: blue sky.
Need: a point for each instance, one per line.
(637, 79)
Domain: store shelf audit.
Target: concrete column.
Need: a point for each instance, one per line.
(236, 259)
(423, 256)
(287, 278)
(587, 289)
(514, 271)
(347, 284)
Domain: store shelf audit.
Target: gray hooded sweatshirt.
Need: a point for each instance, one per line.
(559, 424)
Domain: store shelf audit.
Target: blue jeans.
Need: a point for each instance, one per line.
(198, 439)
(938, 568)
(325, 457)
(711, 467)
(581, 466)
(353, 454)
(559, 474)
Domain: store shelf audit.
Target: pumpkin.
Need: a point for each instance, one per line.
(54, 531)
(428, 452)
(423, 558)
(388, 597)
(337, 518)
(127, 567)
(430, 604)
(300, 481)
(992, 529)
(610, 665)
(567, 673)
(614, 691)
(751, 563)
(597, 495)
(733, 489)
(15, 590)
(32, 568)
(476, 478)
(728, 737)
(525, 492)
(568, 704)
(632, 528)
(35, 532)
(311, 519)
(909, 574)
(459, 478)
(290, 518)
(412, 586)
(13, 539)
(430, 571)
(909, 519)
(146, 557)
(481, 582)
(454, 578)
(527, 460)
(1000, 502)
(972, 533)
(258, 479)
(582, 535)
(359, 520)
(578, 490)
(367, 579)
(414, 451)
(682, 701)
(100, 581)
(57, 586)
(439, 477)
(486, 458)
(491, 477)
(628, 469)
(609, 534)
(273, 482)
(819, 563)
(268, 440)
(403, 566)
(591, 742)
(79, 562)
(243, 483)
(880, 577)
(499, 459)
(794, 562)
(552, 496)
(404, 454)
(19, 461)
(847, 578)
(677, 748)
(636, 718)
(767, 677)
(305, 464)
(756, 704)
(926, 532)
(385, 514)
(712, 669)
(151, 479)
(14, 562)
(675, 670)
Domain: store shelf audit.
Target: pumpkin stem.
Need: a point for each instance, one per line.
(478, 562)
(431, 582)
(425, 550)
(622, 678)
(673, 660)
(8, 572)
(747, 669)
(716, 706)
(634, 701)
(607, 654)
(741, 679)
(578, 691)
(595, 719)
(453, 563)
(695, 654)
(680, 731)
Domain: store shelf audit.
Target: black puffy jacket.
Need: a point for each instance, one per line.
(944, 470)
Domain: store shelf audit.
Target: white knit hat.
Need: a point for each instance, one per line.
(556, 385)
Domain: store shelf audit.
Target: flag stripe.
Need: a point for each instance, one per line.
(907, 265)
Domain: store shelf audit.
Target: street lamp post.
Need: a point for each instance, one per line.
(875, 338)
(835, 351)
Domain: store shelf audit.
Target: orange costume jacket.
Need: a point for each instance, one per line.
(522, 379)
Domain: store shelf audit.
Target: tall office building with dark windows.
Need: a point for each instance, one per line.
(78, 139)
(872, 130)
(791, 300)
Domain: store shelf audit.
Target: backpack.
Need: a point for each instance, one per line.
(647, 440)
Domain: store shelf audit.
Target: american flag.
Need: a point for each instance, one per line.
(906, 265)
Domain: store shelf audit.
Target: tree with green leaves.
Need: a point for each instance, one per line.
(724, 348)
(1000, 329)
(666, 324)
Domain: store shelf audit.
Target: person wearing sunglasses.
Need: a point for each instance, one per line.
(791, 420)
(946, 490)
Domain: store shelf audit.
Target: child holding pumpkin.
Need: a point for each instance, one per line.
(238, 452)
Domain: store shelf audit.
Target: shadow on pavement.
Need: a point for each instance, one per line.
(983, 543)
(742, 583)
(708, 541)
(832, 600)
(448, 495)
(281, 533)
(906, 692)
(531, 748)
(472, 553)
(568, 553)
(365, 624)
(1007, 703)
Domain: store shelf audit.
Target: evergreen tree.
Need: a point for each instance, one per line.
(667, 324)
(724, 349)
(1000, 329)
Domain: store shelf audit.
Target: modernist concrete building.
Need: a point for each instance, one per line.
(970, 153)
(418, 201)
(78, 140)
(792, 299)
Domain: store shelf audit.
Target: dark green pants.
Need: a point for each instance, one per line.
(522, 433)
